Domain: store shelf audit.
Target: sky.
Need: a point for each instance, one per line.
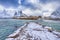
(31, 7)
(8, 3)
(14, 3)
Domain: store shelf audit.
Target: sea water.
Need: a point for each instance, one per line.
(8, 26)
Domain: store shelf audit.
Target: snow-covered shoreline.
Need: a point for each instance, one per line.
(34, 31)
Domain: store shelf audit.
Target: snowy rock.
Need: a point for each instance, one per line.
(34, 31)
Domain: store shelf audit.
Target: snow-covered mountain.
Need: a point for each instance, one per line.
(56, 14)
(6, 14)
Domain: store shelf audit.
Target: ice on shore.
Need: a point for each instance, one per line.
(34, 31)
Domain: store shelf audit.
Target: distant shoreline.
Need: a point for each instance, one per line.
(32, 19)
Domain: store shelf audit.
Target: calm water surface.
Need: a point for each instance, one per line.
(8, 26)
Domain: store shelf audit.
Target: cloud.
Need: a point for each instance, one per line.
(19, 1)
(49, 8)
(1, 7)
(36, 7)
(30, 12)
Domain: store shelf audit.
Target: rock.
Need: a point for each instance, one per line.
(49, 28)
(34, 31)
